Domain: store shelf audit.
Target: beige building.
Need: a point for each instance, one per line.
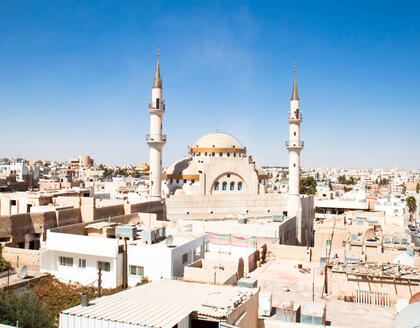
(217, 165)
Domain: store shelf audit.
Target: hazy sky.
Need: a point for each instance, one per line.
(76, 77)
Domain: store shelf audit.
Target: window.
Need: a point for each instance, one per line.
(232, 185)
(177, 180)
(213, 154)
(239, 185)
(294, 164)
(205, 154)
(184, 258)
(224, 186)
(106, 266)
(294, 133)
(136, 270)
(13, 202)
(66, 261)
(192, 180)
(82, 263)
(220, 154)
(228, 154)
(228, 175)
(216, 186)
(185, 181)
(234, 154)
(170, 181)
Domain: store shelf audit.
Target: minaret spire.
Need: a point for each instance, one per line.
(157, 82)
(156, 140)
(295, 95)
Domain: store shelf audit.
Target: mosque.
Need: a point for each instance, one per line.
(218, 179)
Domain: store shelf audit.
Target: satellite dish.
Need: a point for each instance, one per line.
(403, 259)
(415, 298)
(370, 234)
(169, 240)
(23, 272)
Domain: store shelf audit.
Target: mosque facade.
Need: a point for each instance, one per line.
(218, 179)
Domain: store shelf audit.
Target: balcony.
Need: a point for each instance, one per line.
(296, 144)
(159, 109)
(295, 116)
(156, 137)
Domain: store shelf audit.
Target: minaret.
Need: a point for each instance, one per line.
(294, 145)
(156, 140)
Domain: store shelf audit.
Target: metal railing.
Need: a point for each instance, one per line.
(160, 107)
(294, 143)
(369, 297)
(294, 117)
(155, 137)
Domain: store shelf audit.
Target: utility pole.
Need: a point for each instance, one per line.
(313, 284)
(100, 279)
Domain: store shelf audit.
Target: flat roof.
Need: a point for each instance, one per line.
(164, 303)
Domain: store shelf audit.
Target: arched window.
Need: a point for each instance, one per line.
(216, 186)
(232, 185)
(239, 185)
(224, 186)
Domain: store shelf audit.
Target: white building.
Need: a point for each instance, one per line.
(75, 253)
(168, 304)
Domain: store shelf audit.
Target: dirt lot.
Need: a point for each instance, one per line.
(275, 275)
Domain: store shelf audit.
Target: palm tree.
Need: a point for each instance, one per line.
(411, 203)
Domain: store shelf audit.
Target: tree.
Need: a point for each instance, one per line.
(25, 309)
(4, 265)
(411, 203)
(57, 296)
(330, 185)
(308, 186)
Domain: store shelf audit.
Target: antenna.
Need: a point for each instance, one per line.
(23, 272)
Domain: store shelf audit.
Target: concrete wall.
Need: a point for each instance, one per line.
(157, 207)
(220, 206)
(208, 274)
(108, 211)
(68, 216)
(288, 252)
(19, 257)
(250, 319)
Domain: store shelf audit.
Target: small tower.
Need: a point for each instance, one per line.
(294, 145)
(156, 140)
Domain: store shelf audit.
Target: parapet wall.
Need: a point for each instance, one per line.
(108, 211)
(289, 252)
(68, 216)
(19, 257)
(220, 206)
(156, 207)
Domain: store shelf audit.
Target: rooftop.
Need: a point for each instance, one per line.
(164, 303)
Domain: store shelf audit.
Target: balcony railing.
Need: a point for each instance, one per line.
(160, 108)
(156, 137)
(294, 116)
(294, 143)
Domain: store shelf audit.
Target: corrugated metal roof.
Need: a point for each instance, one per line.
(164, 303)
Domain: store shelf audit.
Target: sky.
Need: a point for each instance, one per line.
(76, 78)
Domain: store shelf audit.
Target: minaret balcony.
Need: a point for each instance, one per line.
(294, 117)
(294, 144)
(155, 138)
(160, 110)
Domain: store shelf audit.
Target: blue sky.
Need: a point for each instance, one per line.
(76, 77)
